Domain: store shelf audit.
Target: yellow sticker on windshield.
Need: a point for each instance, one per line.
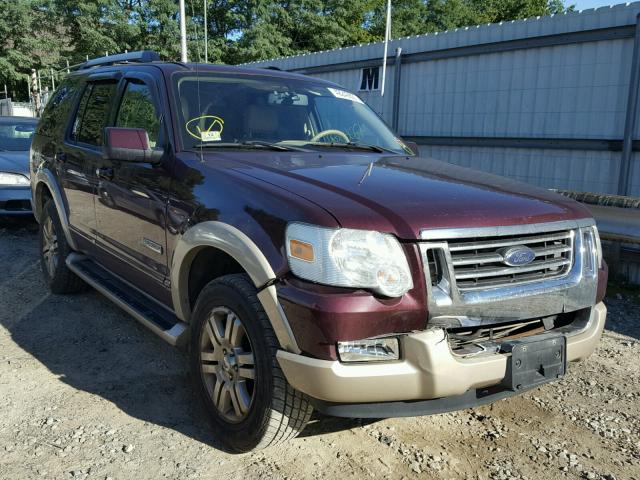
(207, 128)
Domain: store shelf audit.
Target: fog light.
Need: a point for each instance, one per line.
(373, 350)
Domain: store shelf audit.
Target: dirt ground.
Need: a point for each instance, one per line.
(86, 392)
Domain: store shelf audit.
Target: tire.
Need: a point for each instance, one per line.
(54, 251)
(246, 413)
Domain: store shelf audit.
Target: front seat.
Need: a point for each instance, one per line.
(261, 123)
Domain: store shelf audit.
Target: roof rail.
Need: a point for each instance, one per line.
(141, 56)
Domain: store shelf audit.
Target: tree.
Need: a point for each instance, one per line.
(29, 38)
(45, 34)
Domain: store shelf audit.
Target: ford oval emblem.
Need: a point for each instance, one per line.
(518, 256)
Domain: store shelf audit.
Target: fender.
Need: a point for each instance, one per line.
(45, 176)
(244, 251)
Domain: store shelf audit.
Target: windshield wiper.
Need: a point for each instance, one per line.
(354, 145)
(249, 144)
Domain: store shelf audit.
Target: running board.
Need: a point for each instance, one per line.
(147, 311)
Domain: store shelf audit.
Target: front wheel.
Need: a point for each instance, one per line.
(233, 360)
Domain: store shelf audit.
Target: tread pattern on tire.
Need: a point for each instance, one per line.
(290, 409)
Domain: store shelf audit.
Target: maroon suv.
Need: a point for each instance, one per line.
(305, 254)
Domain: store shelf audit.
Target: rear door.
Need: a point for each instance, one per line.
(131, 197)
(78, 157)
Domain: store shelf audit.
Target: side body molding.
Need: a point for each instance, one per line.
(44, 176)
(241, 248)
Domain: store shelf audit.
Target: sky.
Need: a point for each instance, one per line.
(584, 4)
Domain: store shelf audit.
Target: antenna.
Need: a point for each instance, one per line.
(387, 36)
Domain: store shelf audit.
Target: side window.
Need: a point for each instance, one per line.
(75, 131)
(138, 111)
(94, 108)
(56, 114)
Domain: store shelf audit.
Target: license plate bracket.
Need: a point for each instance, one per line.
(534, 361)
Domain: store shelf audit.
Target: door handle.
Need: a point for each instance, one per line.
(61, 157)
(105, 172)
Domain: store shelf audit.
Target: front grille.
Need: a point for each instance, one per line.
(478, 263)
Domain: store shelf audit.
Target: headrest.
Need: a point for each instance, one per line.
(261, 119)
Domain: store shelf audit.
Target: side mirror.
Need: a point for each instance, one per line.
(413, 146)
(129, 145)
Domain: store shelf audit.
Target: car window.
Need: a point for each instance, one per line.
(351, 118)
(93, 113)
(137, 110)
(55, 117)
(233, 110)
(16, 136)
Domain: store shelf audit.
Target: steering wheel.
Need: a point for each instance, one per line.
(325, 133)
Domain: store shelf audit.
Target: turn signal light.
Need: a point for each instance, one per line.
(301, 250)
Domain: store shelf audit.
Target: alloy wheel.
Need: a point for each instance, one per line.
(50, 251)
(227, 364)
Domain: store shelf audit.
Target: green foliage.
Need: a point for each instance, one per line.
(47, 33)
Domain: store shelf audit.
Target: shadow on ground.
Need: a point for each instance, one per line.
(95, 347)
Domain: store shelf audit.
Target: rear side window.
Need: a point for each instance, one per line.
(137, 110)
(93, 113)
(56, 114)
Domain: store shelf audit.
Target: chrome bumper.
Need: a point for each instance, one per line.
(428, 369)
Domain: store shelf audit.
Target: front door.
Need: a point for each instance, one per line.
(131, 197)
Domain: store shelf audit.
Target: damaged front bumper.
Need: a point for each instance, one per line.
(429, 378)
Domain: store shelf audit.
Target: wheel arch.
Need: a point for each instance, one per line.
(45, 186)
(245, 253)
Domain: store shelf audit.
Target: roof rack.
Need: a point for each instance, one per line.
(141, 56)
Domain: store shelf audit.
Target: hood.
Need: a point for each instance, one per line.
(14, 162)
(405, 195)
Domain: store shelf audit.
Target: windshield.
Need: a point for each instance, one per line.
(16, 136)
(219, 110)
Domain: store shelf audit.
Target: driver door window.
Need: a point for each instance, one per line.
(138, 111)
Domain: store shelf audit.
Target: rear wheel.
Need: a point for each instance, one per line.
(54, 251)
(233, 359)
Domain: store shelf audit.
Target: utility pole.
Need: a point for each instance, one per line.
(387, 36)
(34, 91)
(206, 28)
(183, 34)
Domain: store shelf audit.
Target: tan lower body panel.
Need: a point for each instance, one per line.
(428, 369)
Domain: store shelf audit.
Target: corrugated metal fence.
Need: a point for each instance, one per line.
(551, 101)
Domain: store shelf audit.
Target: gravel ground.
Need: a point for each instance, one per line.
(86, 392)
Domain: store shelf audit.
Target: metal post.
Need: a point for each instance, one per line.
(53, 80)
(397, 69)
(387, 37)
(206, 28)
(39, 83)
(183, 34)
(624, 181)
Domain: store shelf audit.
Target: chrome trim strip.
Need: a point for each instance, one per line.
(458, 233)
(485, 272)
(240, 247)
(176, 336)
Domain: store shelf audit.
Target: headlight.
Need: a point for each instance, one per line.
(13, 179)
(348, 258)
